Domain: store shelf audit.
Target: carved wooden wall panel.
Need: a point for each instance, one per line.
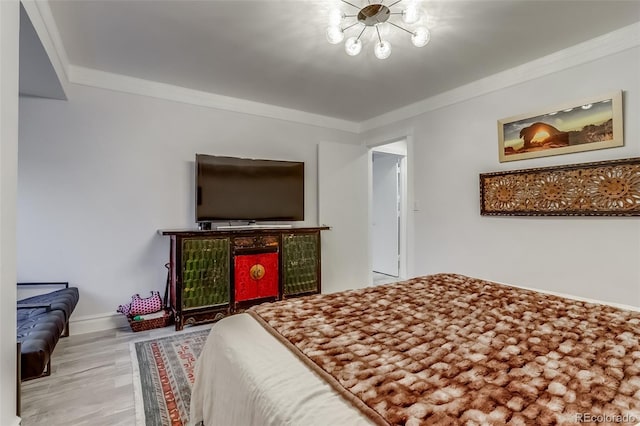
(606, 188)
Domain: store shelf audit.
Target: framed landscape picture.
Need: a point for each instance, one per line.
(592, 123)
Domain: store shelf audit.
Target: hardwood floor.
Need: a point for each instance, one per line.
(379, 278)
(91, 381)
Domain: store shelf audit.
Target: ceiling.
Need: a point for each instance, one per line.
(275, 51)
(37, 75)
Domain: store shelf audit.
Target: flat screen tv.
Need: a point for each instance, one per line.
(242, 189)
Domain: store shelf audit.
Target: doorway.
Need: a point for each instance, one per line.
(388, 184)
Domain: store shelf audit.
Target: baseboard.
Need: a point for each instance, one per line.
(15, 422)
(99, 322)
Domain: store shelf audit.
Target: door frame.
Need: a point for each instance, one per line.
(406, 217)
(391, 164)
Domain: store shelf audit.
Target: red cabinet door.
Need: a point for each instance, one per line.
(256, 276)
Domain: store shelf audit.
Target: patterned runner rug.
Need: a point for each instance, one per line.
(163, 376)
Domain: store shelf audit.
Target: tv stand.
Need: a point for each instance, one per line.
(214, 273)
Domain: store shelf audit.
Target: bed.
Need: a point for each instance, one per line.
(443, 349)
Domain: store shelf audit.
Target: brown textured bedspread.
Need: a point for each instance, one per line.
(452, 350)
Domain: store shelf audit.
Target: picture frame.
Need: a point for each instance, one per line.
(604, 188)
(584, 125)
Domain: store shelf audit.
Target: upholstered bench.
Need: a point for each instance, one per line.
(42, 320)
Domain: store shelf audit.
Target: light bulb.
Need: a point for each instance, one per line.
(335, 17)
(420, 37)
(411, 14)
(382, 50)
(352, 46)
(335, 35)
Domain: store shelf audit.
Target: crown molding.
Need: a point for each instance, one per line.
(40, 14)
(599, 47)
(42, 19)
(123, 83)
(45, 26)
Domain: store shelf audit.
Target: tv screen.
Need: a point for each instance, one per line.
(229, 188)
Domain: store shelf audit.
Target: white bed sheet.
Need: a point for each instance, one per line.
(245, 377)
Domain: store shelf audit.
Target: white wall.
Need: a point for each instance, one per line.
(9, 26)
(100, 173)
(593, 257)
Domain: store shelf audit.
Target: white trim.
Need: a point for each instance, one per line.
(99, 322)
(123, 83)
(402, 155)
(9, 112)
(600, 47)
(42, 19)
(45, 25)
(407, 220)
(40, 14)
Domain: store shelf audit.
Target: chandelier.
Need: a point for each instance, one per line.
(374, 15)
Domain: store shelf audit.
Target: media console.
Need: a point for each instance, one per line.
(215, 273)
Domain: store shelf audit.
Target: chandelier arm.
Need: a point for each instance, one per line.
(378, 31)
(393, 4)
(351, 4)
(360, 35)
(398, 26)
(352, 25)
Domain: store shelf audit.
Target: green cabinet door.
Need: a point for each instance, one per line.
(205, 272)
(300, 258)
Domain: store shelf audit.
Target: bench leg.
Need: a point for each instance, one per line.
(45, 373)
(66, 330)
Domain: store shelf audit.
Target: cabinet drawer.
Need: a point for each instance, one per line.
(255, 241)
